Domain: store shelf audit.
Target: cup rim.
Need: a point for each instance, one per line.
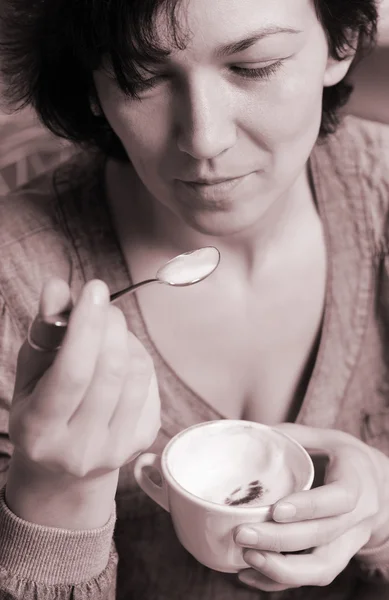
(236, 510)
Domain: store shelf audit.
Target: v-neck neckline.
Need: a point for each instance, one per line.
(322, 335)
(111, 266)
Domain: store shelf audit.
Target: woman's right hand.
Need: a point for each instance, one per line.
(79, 414)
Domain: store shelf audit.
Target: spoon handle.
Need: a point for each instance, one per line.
(46, 335)
(132, 288)
(60, 321)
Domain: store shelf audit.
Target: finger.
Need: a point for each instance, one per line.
(315, 438)
(55, 298)
(65, 383)
(342, 493)
(338, 496)
(137, 415)
(32, 363)
(319, 568)
(254, 579)
(292, 537)
(112, 365)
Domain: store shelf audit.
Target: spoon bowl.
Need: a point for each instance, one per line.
(190, 267)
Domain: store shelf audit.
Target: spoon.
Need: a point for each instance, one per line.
(181, 271)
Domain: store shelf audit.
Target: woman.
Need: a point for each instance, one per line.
(214, 124)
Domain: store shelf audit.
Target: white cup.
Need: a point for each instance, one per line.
(218, 475)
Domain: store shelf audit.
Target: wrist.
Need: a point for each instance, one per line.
(61, 501)
(380, 522)
(52, 556)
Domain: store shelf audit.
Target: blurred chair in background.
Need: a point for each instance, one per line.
(27, 149)
(371, 78)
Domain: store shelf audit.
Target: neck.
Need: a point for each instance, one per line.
(148, 221)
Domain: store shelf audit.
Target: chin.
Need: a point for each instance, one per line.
(220, 224)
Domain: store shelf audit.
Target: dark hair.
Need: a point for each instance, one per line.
(50, 48)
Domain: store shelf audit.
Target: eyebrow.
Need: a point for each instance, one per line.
(244, 44)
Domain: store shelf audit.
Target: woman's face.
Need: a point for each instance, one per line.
(242, 102)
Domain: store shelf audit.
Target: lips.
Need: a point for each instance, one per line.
(216, 193)
(216, 187)
(214, 181)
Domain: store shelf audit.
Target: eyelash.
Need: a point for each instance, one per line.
(247, 73)
(258, 73)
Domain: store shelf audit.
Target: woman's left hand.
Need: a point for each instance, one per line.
(350, 511)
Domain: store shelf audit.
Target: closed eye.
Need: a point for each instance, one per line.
(258, 72)
(246, 72)
(149, 84)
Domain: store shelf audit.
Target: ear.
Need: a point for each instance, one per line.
(336, 70)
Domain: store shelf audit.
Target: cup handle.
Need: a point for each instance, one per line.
(156, 492)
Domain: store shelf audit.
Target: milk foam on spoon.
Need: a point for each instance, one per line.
(190, 267)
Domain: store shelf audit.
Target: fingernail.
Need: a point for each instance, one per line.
(247, 578)
(284, 512)
(246, 536)
(254, 558)
(98, 292)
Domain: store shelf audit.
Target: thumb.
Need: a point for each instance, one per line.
(312, 438)
(32, 362)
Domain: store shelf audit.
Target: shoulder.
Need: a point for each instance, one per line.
(360, 145)
(354, 161)
(35, 243)
(370, 134)
(37, 206)
(26, 211)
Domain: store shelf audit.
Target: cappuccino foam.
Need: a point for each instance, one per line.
(235, 466)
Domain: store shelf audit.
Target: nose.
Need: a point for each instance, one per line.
(205, 126)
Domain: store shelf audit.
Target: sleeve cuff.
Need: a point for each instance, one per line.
(50, 555)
